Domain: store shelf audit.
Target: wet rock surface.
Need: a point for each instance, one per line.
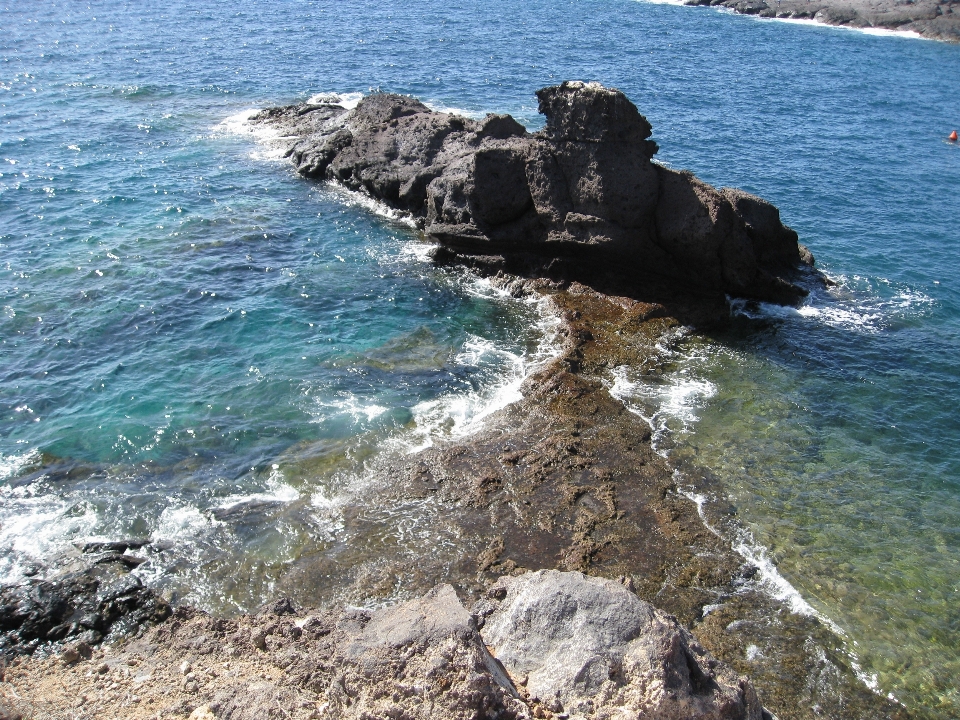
(580, 200)
(934, 19)
(83, 603)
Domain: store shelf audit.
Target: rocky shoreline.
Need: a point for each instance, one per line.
(565, 479)
(557, 491)
(932, 19)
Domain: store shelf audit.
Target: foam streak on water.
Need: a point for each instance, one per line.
(453, 416)
(671, 405)
(874, 31)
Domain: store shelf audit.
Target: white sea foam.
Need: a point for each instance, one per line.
(275, 490)
(179, 521)
(669, 404)
(417, 250)
(345, 100)
(11, 465)
(856, 304)
(36, 526)
(450, 109)
(459, 414)
(322, 501)
(345, 404)
(358, 199)
(880, 32)
(270, 143)
(770, 580)
(700, 500)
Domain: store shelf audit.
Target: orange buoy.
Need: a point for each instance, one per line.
(953, 136)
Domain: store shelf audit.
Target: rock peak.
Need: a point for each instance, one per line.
(589, 112)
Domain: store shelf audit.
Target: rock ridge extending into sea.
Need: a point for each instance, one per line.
(565, 479)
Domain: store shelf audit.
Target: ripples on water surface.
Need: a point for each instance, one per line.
(187, 326)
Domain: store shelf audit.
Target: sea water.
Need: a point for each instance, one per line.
(187, 326)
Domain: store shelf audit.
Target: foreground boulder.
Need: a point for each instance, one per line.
(423, 658)
(581, 197)
(595, 649)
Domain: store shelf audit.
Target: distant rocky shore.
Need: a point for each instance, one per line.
(934, 19)
(582, 583)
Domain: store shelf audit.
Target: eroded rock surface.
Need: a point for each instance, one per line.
(580, 199)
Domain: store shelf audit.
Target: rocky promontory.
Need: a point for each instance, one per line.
(581, 199)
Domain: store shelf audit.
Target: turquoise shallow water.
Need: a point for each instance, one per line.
(179, 313)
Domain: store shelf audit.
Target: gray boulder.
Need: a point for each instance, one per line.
(592, 647)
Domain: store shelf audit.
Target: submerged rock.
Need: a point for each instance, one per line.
(580, 199)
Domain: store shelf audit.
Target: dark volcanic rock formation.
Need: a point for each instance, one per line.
(581, 199)
(84, 604)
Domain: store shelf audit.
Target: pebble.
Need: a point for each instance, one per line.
(185, 667)
(203, 713)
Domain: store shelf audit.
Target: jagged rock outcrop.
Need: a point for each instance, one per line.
(558, 643)
(582, 197)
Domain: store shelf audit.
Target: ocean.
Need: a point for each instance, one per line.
(187, 326)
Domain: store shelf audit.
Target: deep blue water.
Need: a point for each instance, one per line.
(181, 314)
